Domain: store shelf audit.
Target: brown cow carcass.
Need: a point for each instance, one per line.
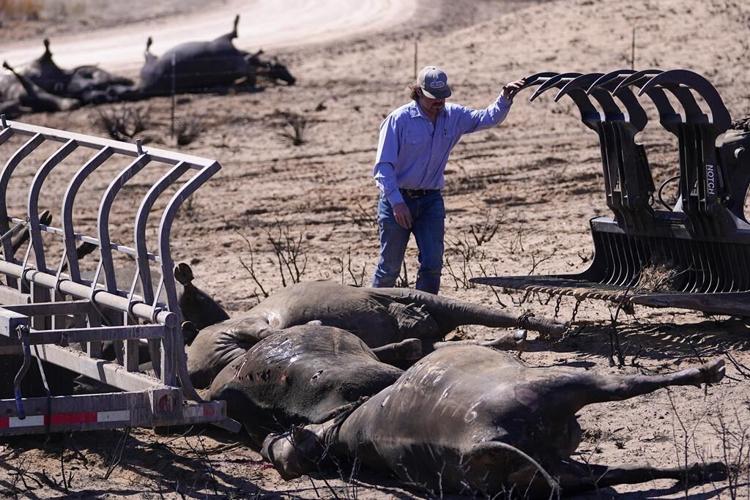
(472, 419)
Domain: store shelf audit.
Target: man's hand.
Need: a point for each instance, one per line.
(402, 214)
(510, 89)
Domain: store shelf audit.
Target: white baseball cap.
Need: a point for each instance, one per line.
(434, 82)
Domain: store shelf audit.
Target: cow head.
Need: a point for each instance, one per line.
(272, 70)
(277, 71)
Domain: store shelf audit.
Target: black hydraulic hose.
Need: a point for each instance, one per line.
(661, 189)
(23, 335)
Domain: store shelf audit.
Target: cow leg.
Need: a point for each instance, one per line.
(614, 388)
(573, 390)
(510, 340)
(576, 477)
(493, 467)
(408, 350)
(450, 313)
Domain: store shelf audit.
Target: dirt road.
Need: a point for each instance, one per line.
(268, 24)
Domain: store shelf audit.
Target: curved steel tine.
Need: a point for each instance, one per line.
(667, 113)
(693, 112)
(610, 81)
(553, 82)
(537, 79)
(577, 90)
(33, 204)
(686, 79)
(613, 78)
(589, 113)
(637, 78)
(580, 82)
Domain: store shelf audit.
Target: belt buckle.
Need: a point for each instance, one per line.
(414, 193)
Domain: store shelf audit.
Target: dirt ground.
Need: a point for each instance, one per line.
(536, 180)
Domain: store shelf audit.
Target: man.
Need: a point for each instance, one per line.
(415, 142)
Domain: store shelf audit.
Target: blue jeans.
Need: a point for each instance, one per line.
(428, 226)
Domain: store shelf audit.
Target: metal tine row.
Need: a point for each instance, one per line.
(690, 266)
(696, 133)
(627, 177)
(652, 82)
(628, 181)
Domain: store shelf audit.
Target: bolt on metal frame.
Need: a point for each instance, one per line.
(36, 298)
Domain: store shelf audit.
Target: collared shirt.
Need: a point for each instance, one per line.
(412, 151)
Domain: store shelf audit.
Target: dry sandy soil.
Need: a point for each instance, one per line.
(537, 178)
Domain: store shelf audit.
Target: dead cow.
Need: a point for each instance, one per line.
(88, 84)
(45, 87)
(384, 318)
(305, 374)
(469, 418)
(18, 95)
(205, 66)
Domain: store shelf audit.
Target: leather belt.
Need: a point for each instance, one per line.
(417, 193)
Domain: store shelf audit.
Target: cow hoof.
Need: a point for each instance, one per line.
(410, 349)
(713, 371)
(278, 449)
(183, 273)
(293, 453)
(515, 340)
(547, 328)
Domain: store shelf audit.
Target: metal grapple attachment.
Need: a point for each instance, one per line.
(693, 255)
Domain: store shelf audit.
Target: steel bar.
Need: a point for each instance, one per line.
(66, 336)
(140, 228)
(104, 371)
(105, 249)
(69, 239)
(123, 148)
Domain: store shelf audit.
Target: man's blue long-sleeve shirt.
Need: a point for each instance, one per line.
(412, 152)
